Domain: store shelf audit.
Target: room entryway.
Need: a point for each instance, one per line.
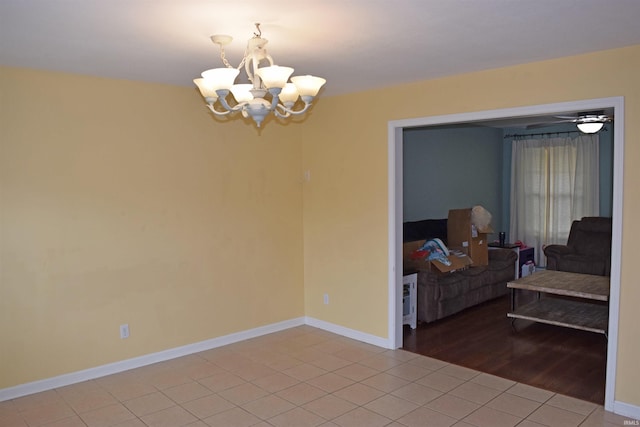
(537, 336)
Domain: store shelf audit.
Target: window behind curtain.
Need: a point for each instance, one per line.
(553, 182)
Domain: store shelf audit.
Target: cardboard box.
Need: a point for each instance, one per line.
(464, 235)
(458, 262)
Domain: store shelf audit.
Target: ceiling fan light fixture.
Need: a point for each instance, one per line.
(590, 127)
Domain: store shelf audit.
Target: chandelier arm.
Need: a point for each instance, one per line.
(222, 97)
(275, 98)
(286, 112)
(216, 112)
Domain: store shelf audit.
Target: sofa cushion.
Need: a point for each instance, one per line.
(499, 259)
(452, 286)
(576, 263)
(586, 242)
(476, 276)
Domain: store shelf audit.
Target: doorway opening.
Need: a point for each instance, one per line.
(395, 184)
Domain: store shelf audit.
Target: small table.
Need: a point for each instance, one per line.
(524, 254)
(576, 313)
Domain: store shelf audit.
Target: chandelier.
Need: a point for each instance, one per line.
(269, 90)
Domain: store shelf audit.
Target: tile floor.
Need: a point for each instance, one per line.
(302, 377)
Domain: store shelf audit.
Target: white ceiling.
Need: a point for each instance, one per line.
(355, 44)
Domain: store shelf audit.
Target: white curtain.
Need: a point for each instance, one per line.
(553, 181)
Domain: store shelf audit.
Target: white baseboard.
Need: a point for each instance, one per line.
(137, 362)
(626, 410)
(349, 333)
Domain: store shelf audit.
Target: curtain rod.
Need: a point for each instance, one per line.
(516, 135)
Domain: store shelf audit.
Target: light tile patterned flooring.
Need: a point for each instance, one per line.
(302, 377)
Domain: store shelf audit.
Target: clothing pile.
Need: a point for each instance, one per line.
(433, 250)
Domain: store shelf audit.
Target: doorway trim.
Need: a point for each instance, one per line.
(395, 213)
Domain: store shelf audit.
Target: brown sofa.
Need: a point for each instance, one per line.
(588, 249)
(444, 294)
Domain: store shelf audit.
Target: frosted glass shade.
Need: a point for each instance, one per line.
(242, 92)
(308, 85)
(220, 78)
(590, 127)
(274, 76)
(289, 93)
(206, 88)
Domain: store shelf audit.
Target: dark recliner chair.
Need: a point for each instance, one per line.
(588, 249)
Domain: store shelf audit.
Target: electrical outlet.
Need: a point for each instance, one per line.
(124, 331)
(326, 298)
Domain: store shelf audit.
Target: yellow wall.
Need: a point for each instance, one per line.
(345, 203)
(126, 202)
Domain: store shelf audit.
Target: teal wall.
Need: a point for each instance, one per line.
(452, 167)
(459, 166)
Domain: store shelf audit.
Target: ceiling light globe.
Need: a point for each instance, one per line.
(591, 127)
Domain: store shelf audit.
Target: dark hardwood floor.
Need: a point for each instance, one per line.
(561, 360)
